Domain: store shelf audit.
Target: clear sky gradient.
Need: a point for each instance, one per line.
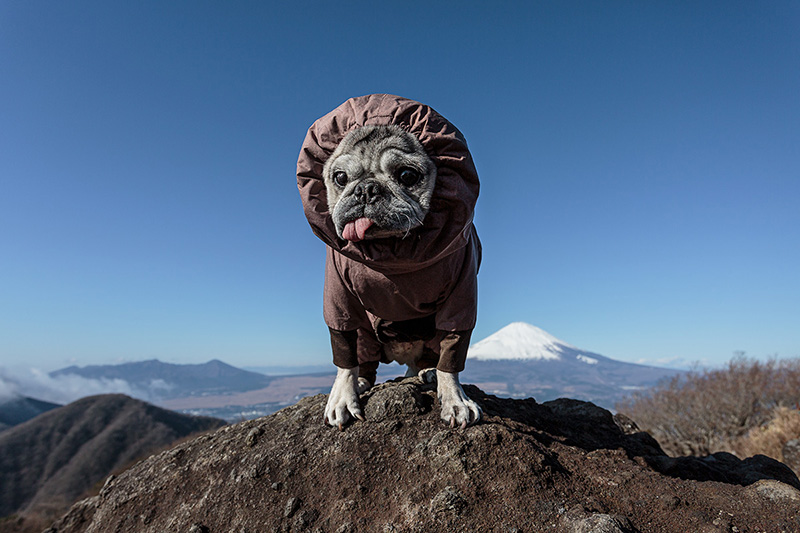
(640, 168)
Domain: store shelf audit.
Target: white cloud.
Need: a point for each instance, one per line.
(677, 363)
(34, 383)
(8, 389)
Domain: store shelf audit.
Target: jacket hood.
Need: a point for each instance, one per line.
(448, 224)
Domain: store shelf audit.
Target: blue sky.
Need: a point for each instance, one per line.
(639, 165)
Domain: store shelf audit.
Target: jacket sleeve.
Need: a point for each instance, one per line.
(453, 351)
(344, 346)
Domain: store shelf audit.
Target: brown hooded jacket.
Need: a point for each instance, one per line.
(431, 274)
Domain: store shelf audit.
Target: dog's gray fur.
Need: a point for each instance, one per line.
(373, 156)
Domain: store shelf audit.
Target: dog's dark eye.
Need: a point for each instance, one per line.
(340, 178)
(408, 176)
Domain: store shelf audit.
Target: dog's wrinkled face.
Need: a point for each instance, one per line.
(379, 182)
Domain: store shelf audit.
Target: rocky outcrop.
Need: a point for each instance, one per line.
(527, 467)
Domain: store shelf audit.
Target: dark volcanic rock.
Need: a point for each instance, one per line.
(527, 467)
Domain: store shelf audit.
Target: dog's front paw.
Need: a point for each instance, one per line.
(457, 408)
(343, 400)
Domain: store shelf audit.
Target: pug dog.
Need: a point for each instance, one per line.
(403, 254)
(379, 183)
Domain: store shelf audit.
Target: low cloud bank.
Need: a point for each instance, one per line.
(34, 383)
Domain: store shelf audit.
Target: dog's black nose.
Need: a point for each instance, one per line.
(368, 191)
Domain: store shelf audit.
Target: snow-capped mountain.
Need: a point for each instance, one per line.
(519, 340)
(521, 360)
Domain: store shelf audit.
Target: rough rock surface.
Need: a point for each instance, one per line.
(527, 467)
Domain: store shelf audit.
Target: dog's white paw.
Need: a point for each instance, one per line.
(343, 400)
(457, 408)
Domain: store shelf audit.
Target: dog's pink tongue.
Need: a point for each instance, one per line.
(355, 230)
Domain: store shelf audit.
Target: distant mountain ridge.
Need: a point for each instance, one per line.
(48, 462)
(521, 360)
(21, 409)
(167, 380)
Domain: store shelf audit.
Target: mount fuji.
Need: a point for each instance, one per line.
(521, 360)
(521, 341)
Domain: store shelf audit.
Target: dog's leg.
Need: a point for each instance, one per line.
(343, 399)
(457, 408)
(363, 386)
